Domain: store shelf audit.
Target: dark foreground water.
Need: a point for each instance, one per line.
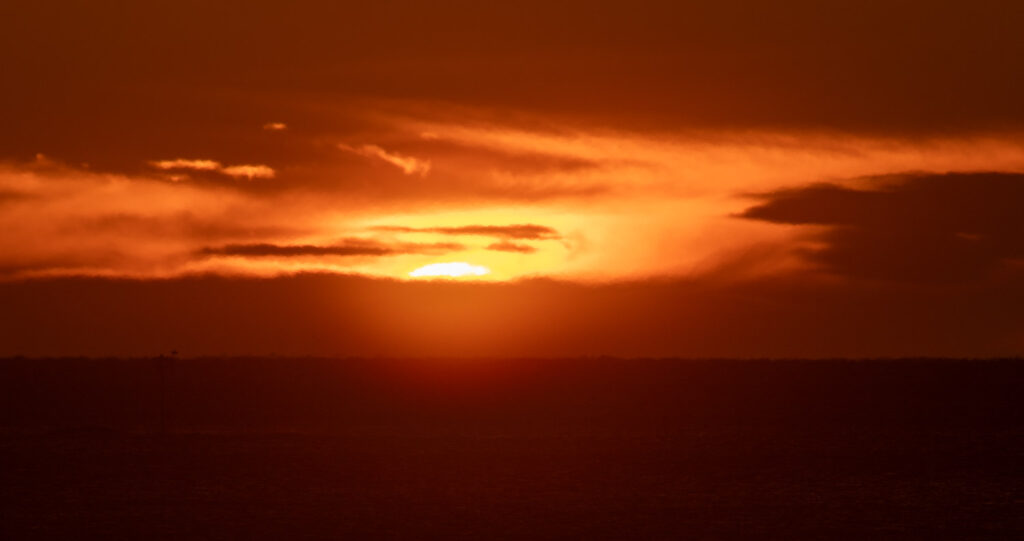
(530, 449)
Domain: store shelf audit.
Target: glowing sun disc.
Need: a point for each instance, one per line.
(450, 270)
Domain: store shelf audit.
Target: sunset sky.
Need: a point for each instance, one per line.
(534, 178)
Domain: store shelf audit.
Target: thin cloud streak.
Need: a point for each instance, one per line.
(408, 164)
(180, 163)
(506, 246)
(352, 248)
(516, 231)
(248, 171)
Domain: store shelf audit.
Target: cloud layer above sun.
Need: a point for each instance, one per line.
(571, 203)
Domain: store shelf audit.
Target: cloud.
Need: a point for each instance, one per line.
(275, 126)
(507, 246)
(348, 248)
(292, 250)
(915, 227)
(180, 163)
(83, 222)
(87, 222)
(182, 224)
(248, 171)
(408, 164)
(517, 231)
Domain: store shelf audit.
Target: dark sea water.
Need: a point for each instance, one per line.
(511, 449)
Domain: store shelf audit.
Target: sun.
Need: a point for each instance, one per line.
(456, 269)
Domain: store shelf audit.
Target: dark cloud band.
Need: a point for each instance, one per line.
(341, 250)
(518, 231)
(920, 227)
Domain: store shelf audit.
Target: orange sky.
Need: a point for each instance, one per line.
(758, 155)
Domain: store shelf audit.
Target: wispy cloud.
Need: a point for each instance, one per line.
(248, 171)
(180, 163)
(408, 164)
(295, 250)
(275, 126)
(236, 171)
(516, 231)
(347, 248)
(508, 246)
